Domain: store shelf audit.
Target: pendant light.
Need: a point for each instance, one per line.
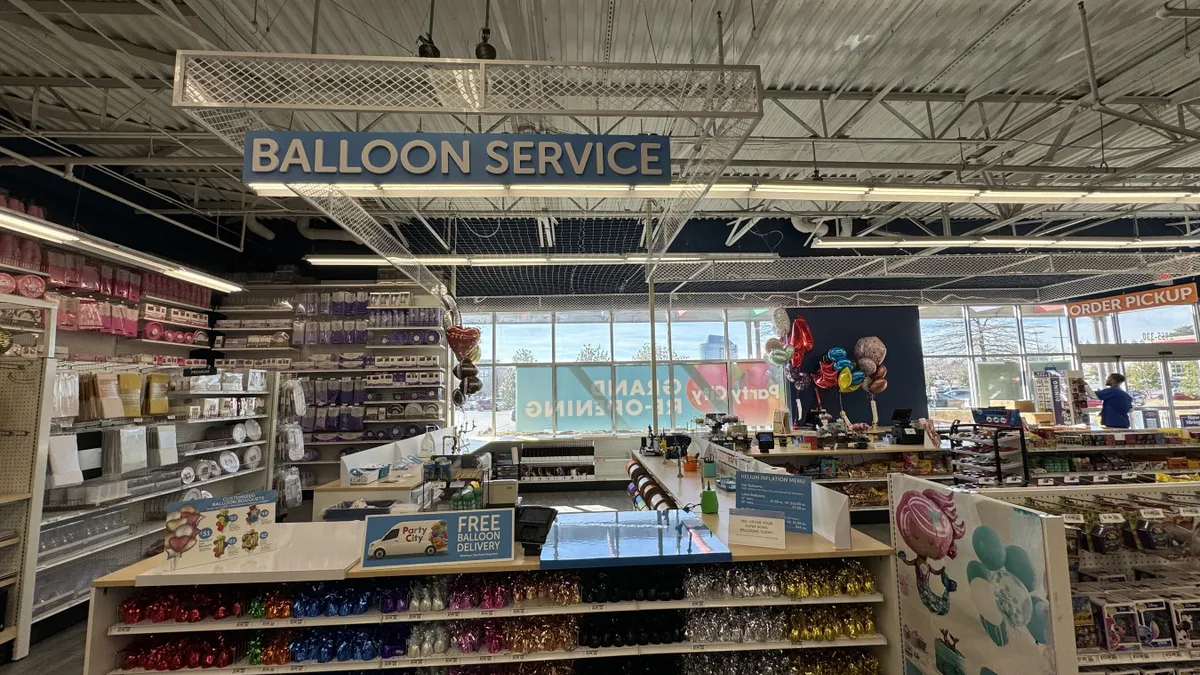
(484, 50)
(425, 47)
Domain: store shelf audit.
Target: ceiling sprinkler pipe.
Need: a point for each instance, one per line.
(304, 226)
(252, 224)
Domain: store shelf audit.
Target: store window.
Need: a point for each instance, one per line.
(700, 335)
(484, 323)
(524, 337)
(589, 371)
(943, 331)
(993, 330)
(631, 336)
(1045, 329)
(1157, 325)
(1096, 330)
(583, 337)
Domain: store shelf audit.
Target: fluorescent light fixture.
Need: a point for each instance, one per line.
(815, 188)
(731, 187)
(503, 260)
(858, 242)
(922, 192)
(571, 188)
(1029, 196)
(1009, 242)
(1165, 242)
(203, 280)
(122, 254)
(1090, 242)
(11, 220)
(1135, 197)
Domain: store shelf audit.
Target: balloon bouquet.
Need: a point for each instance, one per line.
(464, 342)
(836, 369)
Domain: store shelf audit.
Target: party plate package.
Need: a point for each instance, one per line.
(201, 531)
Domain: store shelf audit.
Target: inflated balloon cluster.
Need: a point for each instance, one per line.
(795, 579)
(830, 623)
(182, 606)
(217, 650)
(627, 630)
(737, 663)
(835, 662)
(741, 624)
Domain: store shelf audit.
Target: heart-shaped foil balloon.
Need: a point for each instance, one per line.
(462, 340)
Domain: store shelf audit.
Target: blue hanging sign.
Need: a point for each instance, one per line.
(789, 494)
(438, 537)
(481, 159)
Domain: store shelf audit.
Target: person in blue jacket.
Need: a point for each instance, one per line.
(1116, 403)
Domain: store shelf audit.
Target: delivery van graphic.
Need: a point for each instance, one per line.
(417, 537)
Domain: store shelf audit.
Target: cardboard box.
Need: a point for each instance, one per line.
(365, 475)
(1020, 404)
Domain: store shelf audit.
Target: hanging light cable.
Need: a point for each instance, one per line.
(484, 50)
(425, 47)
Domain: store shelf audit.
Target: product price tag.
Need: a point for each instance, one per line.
(1073, 518)
(1130, 475)
(1108, 658)
(453, 615)
(519, 611)
(1151, 514)
(1112, 518)
(266, 669)
(591, 653)
(450, 661)
(392, 663)
(1087, 660)
(484, 658)
(1045, 482)
(699, 647)
(1189, 511)
(596, 608)
(1119, 438)
(296, 622)
(392, 618)
(239, 671)
(697, 603)
(517, 657)
(1013, 480)
(1172, 655)
(1141, 656)
(295, 669)
(487, 612)
(241, 624)
(1071, 480)
(1100, 478)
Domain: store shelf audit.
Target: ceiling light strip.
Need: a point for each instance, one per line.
(1106, 243)
(539, 260)
(782, 191)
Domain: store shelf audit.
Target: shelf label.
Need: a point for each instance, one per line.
(699, 647)
(1141, 656)
(1173, 655)
(1130, 475)
(450, 661)
(1073, 518)
(296, 669)
(698, 603)
(1045, 482)
(122, 629)
(453, 615)
(1108, 658)
(589, 653)
(1013, 480)
(484, 658)
(1100, 478)
(239, 671)
(1189, 511)
(1119, 438)
(519, 611)
(241, 624)
(266, 669)
(1152, 514)
(391, 618)
(517, 657)
(1087, 659)
(295, 622)
(596, 608)
(487, 612)
(1071, 480)
(1112, 518)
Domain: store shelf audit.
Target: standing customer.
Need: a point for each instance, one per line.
(1116, 403)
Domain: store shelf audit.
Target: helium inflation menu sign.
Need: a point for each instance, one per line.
(480, 159)
(438, 537)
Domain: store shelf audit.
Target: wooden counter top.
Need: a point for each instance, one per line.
(685, 490)
(519, 563)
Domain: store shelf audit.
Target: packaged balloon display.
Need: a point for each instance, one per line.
(203, 531)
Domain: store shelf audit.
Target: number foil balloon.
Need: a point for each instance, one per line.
(801, 340)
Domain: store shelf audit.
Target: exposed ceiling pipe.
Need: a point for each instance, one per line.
(251, 223)
(304, 226)
(1167, 12)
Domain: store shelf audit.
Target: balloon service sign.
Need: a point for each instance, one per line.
(201, 531)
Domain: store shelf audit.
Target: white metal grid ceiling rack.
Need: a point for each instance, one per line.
(723, 104)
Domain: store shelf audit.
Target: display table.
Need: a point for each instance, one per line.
(604, 600)
(685, 491)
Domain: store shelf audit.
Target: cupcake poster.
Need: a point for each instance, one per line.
(201, 531)
(980, 582)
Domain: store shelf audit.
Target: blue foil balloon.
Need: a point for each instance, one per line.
(856, 377)
(836, 354)
(843, 362)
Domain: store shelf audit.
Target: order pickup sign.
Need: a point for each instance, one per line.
(438, 537)
(751, 527)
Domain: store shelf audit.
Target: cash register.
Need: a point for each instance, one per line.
(903, 432)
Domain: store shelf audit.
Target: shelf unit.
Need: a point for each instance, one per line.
(269, 299)
(996, 455)
(25, 408)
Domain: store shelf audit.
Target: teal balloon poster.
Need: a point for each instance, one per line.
(980, 581)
